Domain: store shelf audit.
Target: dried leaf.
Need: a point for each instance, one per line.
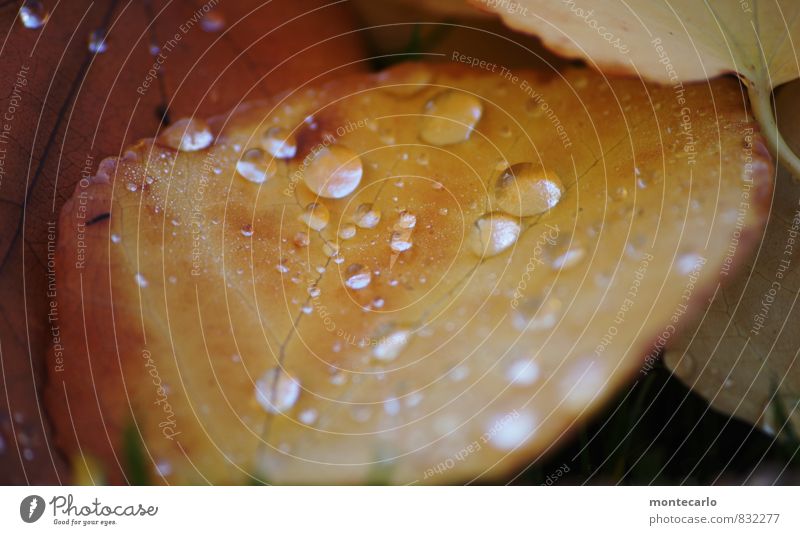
(439, 322)
(674, 42)
(70, 108)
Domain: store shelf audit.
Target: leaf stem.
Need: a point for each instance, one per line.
(764, 112)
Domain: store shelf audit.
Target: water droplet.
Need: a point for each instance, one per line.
(569, 258)
(358, 277)
(213, 21)
(523, 372)
(141, 281)
(308, 416)
(115, 238)
(279, 142)
(247, 230)
(187, 135)
(334, 172)
(32, 14)
(347, 231)
(314, 291)
(582, 383)
(276, 391)
(450, 118)
(97, 42)
(405, 80)
(534, 314)
(389, 347)
(493, 233)
(401, 240)
(689, 263)
(301, 239)
(255, 167)
(406, 220)
(509, 431)
(525, 189)
(367, 216)
(131, 186)
(316, 216)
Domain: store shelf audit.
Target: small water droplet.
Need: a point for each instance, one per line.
(390, 346)
(255, 166)
(358, 277)
(509, 431)
(347, 231)
(301, 239)
(493, 233)
(308, 416)
(141, 281)
(97, 42)
(279, 142)
(188, 135)
(131, 186)
(334, 172)
(247, 230)
(569, 258)
(32, 14)
(367, 216)
(213, 21)
(316, 216)
(523, 372)
(534, 314)
(525, 189)
(276, 391)
(115, 238)
(450, 118)
(314, 291)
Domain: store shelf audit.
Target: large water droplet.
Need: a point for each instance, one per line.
(190, 134)
(358, 277)
(493, 233)
(367, 216)
(525, 189)
(276, 391)
(316, 216)
(390, 346)
(32, 14)
(255, 166)
(97, 42)
(334, 172)
(450, 118)
(279, 142)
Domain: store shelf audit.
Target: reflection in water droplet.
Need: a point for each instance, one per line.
(213, 21)
(276, 391)
(450, 118)
(32, 14)
(493, 233)
(316, 216)
(366, 216)
(247, 230)
(358, 277)
(279, 142)
(187, 135)
(389, 347)
(334, 172)
(534, 315)
(523, 372)
(525, 189)
(347, 231)
(255, 166)
(97, 42)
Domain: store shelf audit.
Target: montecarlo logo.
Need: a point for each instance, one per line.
(32, 508)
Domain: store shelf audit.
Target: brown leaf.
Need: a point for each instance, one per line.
(436, 323)
(69, 107)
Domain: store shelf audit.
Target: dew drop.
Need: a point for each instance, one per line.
(522, 372)
(212, 22)
(535, 315)
(450, 118)
(569, 258)
(301, 239)
(493, 233)
(525, 189)
(401, 240)
(141, 281)
(247, 230)
(308, 416)
(390, 346)
(279, 142)
(188, 135)
(367, 216)
(276, 391)
(255, 167)
(314, 291)
(97, 42)
(347, 231)
(511, 430)
(316, 216)
(32, 14)
(334, 172)
(358, 277)
(405, 80)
